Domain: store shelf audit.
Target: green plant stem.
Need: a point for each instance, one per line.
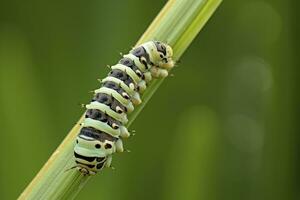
(178, 23)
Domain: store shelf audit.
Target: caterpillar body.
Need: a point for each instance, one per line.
(103, 128)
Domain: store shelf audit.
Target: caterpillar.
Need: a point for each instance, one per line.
(103, 127)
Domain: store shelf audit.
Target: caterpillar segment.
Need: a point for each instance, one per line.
(134, 95)
(104, 125)
(140, 84)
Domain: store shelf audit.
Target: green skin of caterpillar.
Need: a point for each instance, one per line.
(89, 147)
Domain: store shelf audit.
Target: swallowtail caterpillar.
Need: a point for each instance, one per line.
(104, 128)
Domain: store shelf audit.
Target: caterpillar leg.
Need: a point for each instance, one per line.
(119, 145)
(142, 86)
(124, 132)
(108, 161)
(148, 76)
(136, 99)
(158, 72)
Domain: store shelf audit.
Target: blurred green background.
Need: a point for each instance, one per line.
(225, 127)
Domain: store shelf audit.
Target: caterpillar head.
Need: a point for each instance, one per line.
(164, 54)
(91, 154)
